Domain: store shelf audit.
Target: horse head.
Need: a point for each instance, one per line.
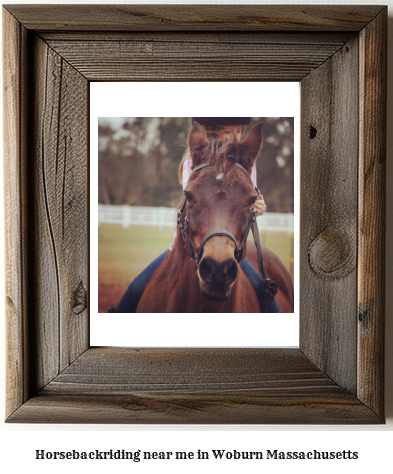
(219, 202)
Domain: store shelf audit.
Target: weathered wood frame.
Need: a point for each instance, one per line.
(338, 54)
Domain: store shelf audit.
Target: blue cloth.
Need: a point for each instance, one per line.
(256, 282)
(131, 297)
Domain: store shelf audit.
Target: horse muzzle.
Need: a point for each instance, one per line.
(217, 277)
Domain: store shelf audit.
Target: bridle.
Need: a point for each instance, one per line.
(269, 287)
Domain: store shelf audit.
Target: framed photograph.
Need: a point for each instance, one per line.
(136, 182)
(52, 57)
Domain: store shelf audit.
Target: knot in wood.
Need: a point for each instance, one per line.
(364, 316)
(330, 254)
(313, 132)
(79, 299)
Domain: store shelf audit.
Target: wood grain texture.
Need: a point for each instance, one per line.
(201, 37)
(61, 213)
(161, 60)
(203, 371)
(195, 386)
(14, 74)
(372, 198)
(328, 251)
(329, 409)
(195, 17)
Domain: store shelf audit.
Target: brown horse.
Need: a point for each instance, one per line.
(216, 214)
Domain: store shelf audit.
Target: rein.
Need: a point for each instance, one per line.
(269, 287)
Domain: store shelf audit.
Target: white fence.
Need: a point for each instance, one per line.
(162, 217)
(276, 222)
(137, 215)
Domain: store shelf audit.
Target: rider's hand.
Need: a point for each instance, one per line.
(260, 205)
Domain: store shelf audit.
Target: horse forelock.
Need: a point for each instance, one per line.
(222, 157)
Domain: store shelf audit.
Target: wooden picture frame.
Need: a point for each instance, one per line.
(338, 54)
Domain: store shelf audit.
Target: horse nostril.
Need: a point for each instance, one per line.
(219, 273)
(207, 269)
(230, 271)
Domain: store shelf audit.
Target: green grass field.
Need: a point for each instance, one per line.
(124, 253)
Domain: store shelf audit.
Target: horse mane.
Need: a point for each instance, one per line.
(222, 156)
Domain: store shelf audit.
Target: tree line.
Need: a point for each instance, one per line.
(139, 157)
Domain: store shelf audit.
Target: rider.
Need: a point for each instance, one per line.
(218, 128)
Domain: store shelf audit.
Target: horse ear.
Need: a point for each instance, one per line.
(253, 143)
(197, 137)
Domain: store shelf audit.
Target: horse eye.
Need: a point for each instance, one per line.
(189, 197)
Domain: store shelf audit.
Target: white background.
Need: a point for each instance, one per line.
(154, 330)
(374, 443)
